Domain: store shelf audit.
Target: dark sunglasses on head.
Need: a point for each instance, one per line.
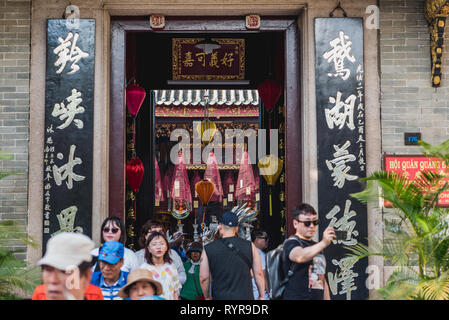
(307, 223)
(113, 230)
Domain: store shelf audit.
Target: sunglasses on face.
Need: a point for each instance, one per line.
(307, 223)
(262, 237)
(113, 230)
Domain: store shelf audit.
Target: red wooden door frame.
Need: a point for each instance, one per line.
(117, 143)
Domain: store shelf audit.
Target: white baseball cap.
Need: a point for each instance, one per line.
(67, 249)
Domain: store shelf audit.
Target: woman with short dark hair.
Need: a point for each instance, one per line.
(112, 229)
(158, 261)
(155, 226)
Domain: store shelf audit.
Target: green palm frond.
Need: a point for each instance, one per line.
(427, 180)
(441, 151)
(358, 252)
(410, 199)
(13, 229)
(401, 285)
(436, 288)
(15, 276)
(24, 279)
(396, 189)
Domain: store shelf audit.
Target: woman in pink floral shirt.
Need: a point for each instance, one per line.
(159, 263)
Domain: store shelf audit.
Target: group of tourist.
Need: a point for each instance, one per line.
(228, 268)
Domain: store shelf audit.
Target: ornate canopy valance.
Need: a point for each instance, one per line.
(216, 97)
(222, 103)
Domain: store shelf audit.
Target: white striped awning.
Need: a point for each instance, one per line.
(197, 97)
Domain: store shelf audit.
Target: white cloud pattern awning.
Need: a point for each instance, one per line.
(197, 97)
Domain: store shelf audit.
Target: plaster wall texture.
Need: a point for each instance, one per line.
(409, 102)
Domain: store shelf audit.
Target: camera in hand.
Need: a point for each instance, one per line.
(341, 234)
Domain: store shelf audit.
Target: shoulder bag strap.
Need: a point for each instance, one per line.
(196, 286)
(293, 265)
(231, 247)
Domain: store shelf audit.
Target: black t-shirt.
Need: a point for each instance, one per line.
(307, 281)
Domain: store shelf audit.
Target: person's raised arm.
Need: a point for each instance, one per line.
(301, 255)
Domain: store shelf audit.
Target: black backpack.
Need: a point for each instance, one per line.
(276, 279)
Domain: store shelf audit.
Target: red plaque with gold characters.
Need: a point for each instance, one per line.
(411, 167)
(191, 63)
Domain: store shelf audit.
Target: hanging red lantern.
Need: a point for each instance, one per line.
(269, 92)
(135, 95)
(134, 173)
(134, 99)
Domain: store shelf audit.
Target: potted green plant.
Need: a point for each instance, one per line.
(16, 279)
(416, 231)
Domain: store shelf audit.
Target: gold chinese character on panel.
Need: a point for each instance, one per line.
(214, 60)
(201, 56)
(227, 59)
(188, 61)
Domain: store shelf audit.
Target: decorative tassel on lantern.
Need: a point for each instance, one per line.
(257, 190)
(270, 167)
(195, 180)
(158, 188)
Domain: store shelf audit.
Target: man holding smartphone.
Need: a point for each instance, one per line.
(303, 257)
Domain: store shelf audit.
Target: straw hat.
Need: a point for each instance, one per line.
(139, 275)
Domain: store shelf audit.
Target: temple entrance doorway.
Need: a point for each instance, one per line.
(179, 106)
